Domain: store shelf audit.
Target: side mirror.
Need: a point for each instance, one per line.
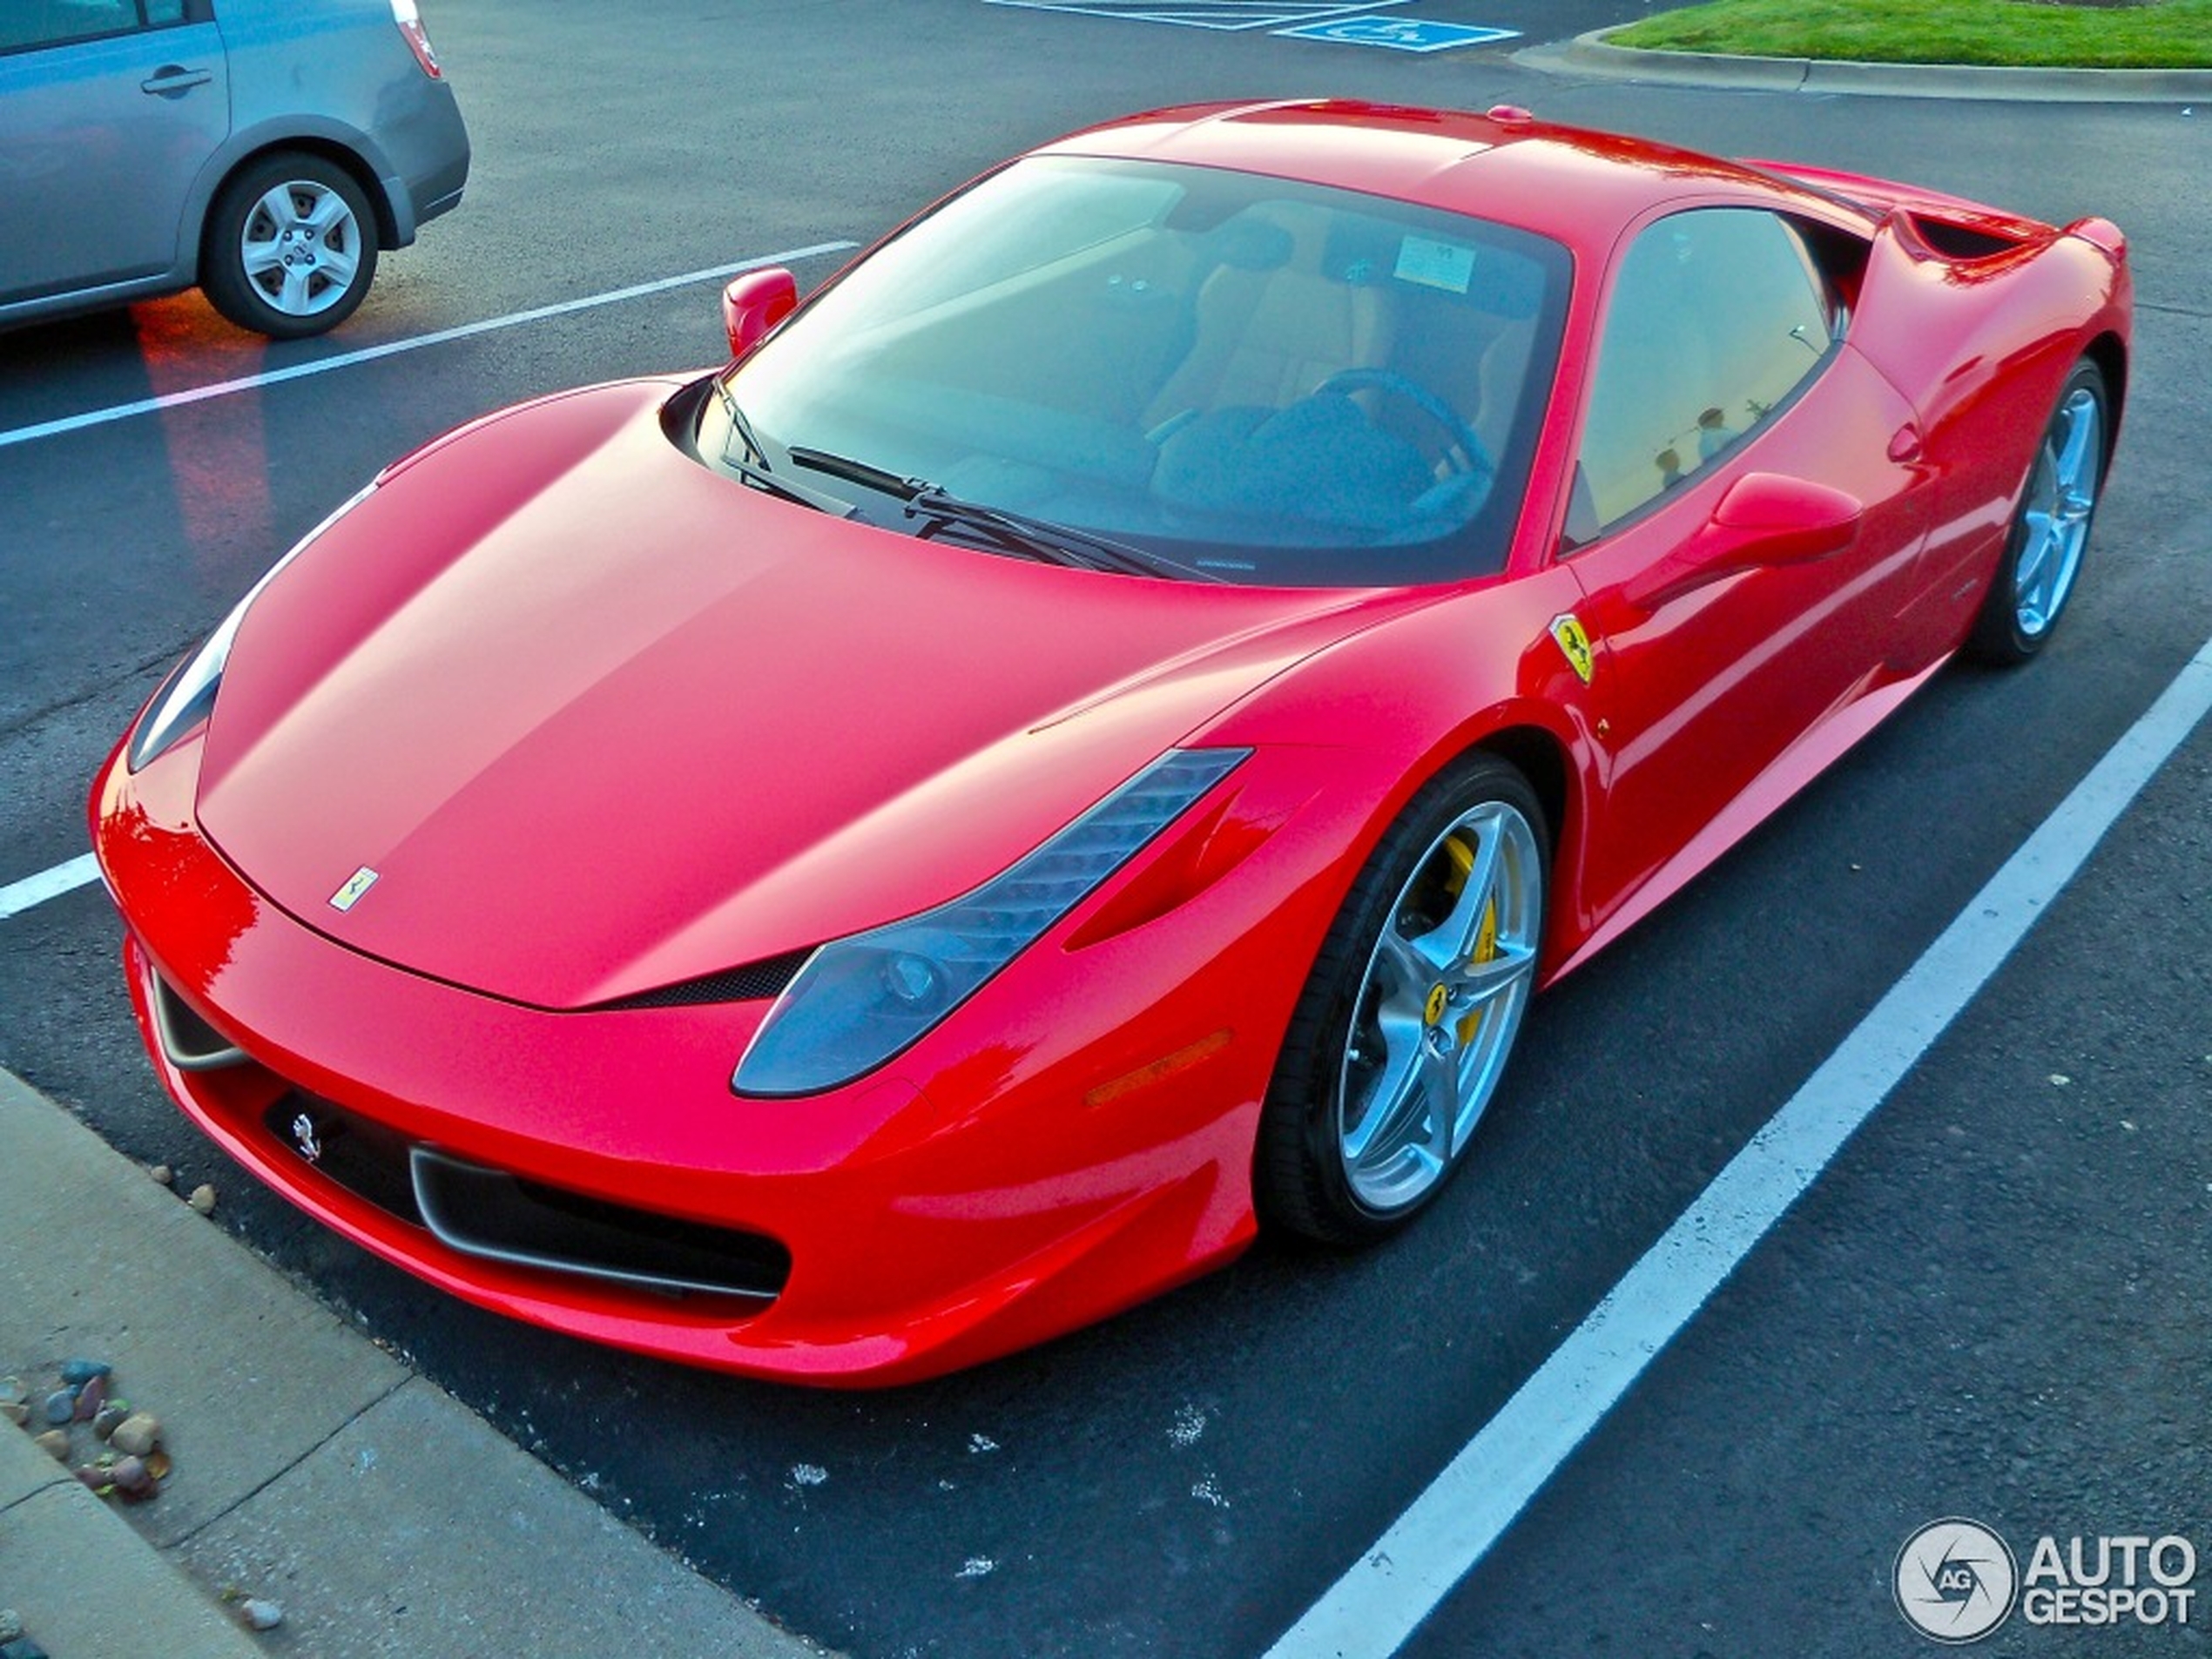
(1773, 520)
(754, 303)
(1764, 520)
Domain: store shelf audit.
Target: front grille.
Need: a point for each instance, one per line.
(755, 982)
(497, 1216)
(360, 1154)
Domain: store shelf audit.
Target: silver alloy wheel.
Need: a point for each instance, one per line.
(1439, 1005)
(2061, 496)
(301, 247)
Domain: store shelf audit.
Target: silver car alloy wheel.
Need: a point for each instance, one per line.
(2061, 497)
(1439, 1006)
(301, 247)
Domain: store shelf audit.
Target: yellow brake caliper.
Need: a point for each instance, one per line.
(1486, 938)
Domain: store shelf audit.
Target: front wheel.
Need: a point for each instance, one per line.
(1403, 1031)
(2050, 530)
(290, 248)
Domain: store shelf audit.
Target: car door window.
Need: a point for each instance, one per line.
(28, 24)
(1717, 316)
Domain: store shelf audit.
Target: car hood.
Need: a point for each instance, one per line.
(601, 720)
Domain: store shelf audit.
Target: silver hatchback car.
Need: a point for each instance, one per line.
(262, 150)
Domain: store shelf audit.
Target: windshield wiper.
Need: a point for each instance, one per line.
(753, 465)
(1010, 532)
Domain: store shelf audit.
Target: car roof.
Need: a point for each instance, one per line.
(1580, 187)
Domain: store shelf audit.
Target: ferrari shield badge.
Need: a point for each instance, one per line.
(363, 879)
(1574, 644)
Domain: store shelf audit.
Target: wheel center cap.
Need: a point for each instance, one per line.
(1439, 1000)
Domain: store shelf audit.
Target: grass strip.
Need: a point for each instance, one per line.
(2041, 34)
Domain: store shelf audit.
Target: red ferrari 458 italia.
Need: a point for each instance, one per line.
(1082, 740)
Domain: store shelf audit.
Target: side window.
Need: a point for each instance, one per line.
(1716, 316)
(26, 25)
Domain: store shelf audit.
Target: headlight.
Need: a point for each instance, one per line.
(860, 1001)
(188, 694)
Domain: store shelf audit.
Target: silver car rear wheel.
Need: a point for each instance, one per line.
(291, 246)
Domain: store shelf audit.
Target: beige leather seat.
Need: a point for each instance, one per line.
(1271, 326)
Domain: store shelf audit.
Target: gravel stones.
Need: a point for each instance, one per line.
(202, 1199)
(112, 1447)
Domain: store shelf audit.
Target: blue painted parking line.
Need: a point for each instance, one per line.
(1211, 14)
(1398, 34)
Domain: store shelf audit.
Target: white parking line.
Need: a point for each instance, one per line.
(393, 348)
(18, 896)
(1408, 1572)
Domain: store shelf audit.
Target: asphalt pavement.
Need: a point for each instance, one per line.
(1993, 1305)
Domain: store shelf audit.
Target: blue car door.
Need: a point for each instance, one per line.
(108, 109)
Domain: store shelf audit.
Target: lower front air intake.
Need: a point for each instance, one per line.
(500, 1216)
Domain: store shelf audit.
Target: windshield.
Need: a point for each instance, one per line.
(1250, 380)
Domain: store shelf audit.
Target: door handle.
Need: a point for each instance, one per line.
(171, 79)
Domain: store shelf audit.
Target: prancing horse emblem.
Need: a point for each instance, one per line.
(303, 1138)
(356, 884)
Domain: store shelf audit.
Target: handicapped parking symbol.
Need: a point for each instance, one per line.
(1397, 34)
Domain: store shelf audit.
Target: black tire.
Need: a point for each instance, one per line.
(289, 274)
(2050, 531)
(1365, 1030)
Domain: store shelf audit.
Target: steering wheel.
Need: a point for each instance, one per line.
(1466, 452)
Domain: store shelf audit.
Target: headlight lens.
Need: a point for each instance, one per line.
(860, 1001)
(188, 695)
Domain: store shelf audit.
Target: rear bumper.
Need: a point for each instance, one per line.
(429, 155)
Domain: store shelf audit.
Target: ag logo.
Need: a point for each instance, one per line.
(1955, 1581)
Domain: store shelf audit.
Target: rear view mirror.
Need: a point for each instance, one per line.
(754, 303)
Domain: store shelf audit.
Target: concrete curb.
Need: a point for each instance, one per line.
(1588, 55)
(312, 1469)
(87, 1584)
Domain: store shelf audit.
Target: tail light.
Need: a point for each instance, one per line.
(409, 19)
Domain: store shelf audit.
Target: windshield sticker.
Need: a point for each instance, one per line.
(1435, 265)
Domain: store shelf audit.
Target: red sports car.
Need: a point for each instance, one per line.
(1082, 740)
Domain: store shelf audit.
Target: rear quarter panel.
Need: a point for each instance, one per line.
(338, 75)
(1980, 347)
